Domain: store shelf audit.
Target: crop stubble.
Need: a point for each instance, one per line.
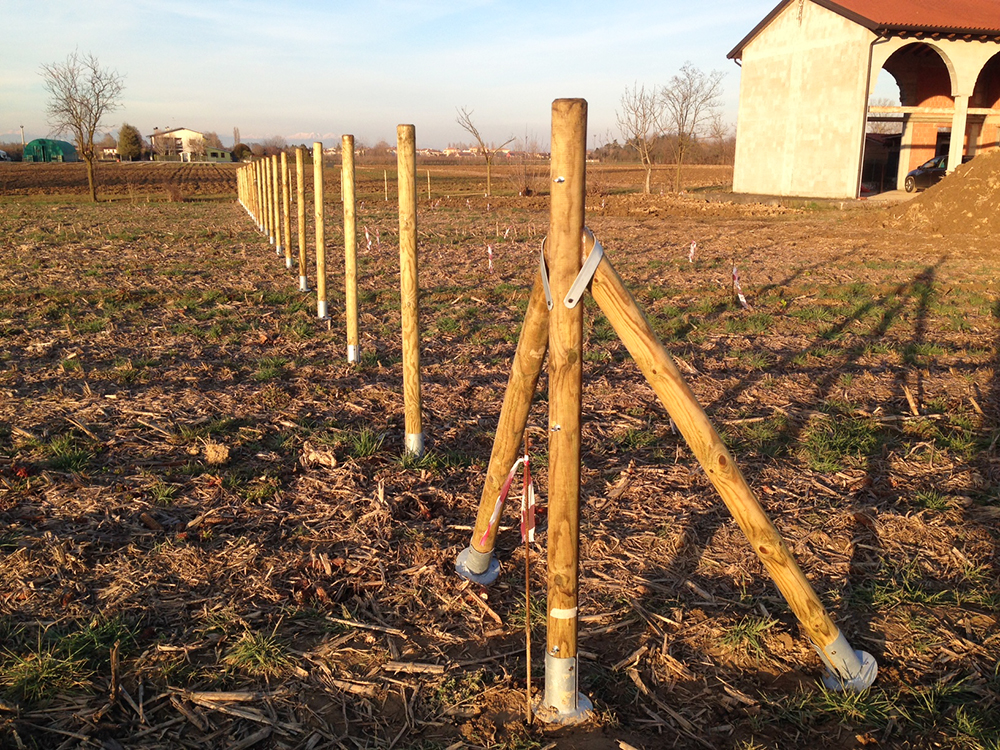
(189, 470)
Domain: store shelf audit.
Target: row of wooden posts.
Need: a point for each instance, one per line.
(572, 261)
(264, 190)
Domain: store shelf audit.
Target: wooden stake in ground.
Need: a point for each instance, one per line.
(259, 191)
(276, 202)
(286, 200)
(268, 204)
(300, 205)
(321, 311)
(562, 702)
(406, 163)
(350, 249)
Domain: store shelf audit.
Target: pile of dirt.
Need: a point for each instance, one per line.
(964, 202)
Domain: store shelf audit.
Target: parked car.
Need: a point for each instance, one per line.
(4, 156)
(929, 173)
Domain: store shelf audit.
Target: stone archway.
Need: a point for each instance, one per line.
(926, 78)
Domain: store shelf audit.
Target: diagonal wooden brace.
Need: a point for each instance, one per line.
(852, 670)
(476, 562)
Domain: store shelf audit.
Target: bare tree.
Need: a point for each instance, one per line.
(689, 101)
(640, 121)
(487, 150)
(83, 94)
(212, 140)
(884, 127)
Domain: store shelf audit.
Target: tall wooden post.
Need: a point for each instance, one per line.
(320, 233)
(286, 200)
(276, 202)
(300, 206)
(255, 172)
(266, 188)
(406, 164)
(562, 702)
(350, 248)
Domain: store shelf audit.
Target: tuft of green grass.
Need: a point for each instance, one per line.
(270, 368)
(43, 675)
(835, 439)
(258, 655)
(68, 453)
(746, 638)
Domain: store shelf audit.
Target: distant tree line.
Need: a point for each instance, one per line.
(714, 148)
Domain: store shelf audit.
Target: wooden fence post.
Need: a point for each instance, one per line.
(350, 248)
(300, 206)
(320, 234)
(406, 164)
(562, 702)
(286, 200)
(268, 210)
(276, 202)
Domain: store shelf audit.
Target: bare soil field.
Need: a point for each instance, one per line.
(144, 181)
(210, 537)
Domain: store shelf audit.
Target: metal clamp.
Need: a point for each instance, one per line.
(582, 280)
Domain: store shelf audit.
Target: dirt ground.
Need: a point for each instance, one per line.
(209, 536)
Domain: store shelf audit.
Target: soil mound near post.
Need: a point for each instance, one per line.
(964, 202)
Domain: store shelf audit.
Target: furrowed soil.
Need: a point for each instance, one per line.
(210, 537)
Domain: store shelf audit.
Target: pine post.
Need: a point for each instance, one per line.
(562, 702)
(350, 248)
(300, 205)
(320, 235)
(276, 203)
(286, 200)
(406, 158)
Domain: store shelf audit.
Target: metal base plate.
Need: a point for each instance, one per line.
(551, 715)
(485, 578)
(860, 682)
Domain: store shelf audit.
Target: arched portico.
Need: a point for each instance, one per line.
(948, 89)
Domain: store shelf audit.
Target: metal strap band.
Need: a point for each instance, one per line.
(562, 614)
(583, 279)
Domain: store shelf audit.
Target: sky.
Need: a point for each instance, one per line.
(309, 70)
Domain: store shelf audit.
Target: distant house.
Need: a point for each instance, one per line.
(46, 149)
(809, 68)
(182, 144)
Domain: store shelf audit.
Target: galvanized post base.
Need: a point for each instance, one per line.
(303, 284)
(562, 704)
(321, 309)
(478, 567)
(288, 262)
(415, 444)
(352, 354)
(847, 669)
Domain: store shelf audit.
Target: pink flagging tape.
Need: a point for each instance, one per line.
(500, 500)
(739, 290)
(528, 505)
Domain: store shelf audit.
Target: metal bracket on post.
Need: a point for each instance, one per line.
(562, 703)
(847, 669)
(582, 280)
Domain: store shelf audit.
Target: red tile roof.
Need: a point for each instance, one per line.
(976, 17)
